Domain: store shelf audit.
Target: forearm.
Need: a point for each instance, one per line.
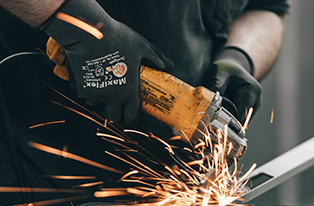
(33, 12)
(260, 34)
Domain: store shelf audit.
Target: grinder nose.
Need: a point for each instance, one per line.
(217, 116)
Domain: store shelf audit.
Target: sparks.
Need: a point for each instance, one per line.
(80, 24)
(182, 186)
(247, 119)
(65, 154)
(110, 136)
(272, 116)
(198, 179)
(46, 123)
(111, 193)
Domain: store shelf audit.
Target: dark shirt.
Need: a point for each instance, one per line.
(188, 33)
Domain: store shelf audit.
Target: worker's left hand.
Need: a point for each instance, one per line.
(233, 81)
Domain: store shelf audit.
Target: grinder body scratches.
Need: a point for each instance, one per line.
(189, 111)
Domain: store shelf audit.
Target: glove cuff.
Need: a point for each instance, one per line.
(237, 55)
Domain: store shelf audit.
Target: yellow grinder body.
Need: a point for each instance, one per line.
(187, 110)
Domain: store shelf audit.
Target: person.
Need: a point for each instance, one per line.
(226, 46)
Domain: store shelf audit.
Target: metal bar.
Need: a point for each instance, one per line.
(282, 168)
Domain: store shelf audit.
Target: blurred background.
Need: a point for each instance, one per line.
(289, 91)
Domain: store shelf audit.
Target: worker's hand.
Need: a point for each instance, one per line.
(232, 75)
(104, 68)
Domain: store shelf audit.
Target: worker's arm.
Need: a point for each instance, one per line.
(259, 34)
(103, 55)
(33, 12)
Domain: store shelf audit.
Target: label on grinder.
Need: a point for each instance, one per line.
(157, 97)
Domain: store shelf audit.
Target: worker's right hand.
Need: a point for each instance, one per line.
(232, 75)
(104, 70)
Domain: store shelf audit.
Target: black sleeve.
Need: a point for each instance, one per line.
(277, 6)
(17, 36)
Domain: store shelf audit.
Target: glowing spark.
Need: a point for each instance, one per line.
(80, 24)
(187, 149)
(248, 172)
(47, 123)
(272, 116)
(134, 131)
(175, 138)
(225, 141)
(111, 193)
(129, 174)
(247, 119)
(65, 177)
(71, 156)
(199, 145)
(235, 167)
(110, 136)
(136, 191)
(90, 184)
(196, 162)
(105, 124)
(230, 148)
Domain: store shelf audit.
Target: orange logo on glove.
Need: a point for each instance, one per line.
(119, 69)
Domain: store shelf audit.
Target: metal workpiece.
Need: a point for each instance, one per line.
(282, 168)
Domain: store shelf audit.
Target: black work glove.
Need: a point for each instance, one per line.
(231, 74)
(105, 68)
